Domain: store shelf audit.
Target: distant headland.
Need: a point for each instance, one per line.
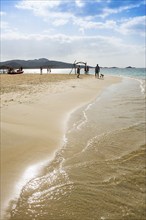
(36, 63)
(42, 63)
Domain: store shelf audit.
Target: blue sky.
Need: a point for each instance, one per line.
(108, 32)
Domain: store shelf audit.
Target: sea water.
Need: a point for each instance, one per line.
(133, 72)
(99, 173)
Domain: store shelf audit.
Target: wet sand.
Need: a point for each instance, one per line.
(34, 114)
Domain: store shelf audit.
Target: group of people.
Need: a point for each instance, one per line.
(97, 72)
(48, 70)
(14, 71)
(86, 70)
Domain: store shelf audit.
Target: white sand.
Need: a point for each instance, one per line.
(33, 124)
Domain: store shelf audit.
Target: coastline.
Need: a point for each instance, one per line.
(34, 120)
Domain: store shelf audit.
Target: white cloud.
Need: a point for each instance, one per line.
(47, 10)
(83, 38)
(80, 3)
(108, 50)
(2, 13)
(39, 8)
(59, 18)
(108, 11)
(130, 26)
(134, 25)
(37, 5)
(4, 25)
(86, 23)
(105, 1)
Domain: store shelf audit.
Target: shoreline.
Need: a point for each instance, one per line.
(33, 124)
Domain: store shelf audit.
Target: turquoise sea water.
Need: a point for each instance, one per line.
(131, 72)
(99, 172)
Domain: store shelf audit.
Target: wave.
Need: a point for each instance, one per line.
(101, 176)
(141, 82)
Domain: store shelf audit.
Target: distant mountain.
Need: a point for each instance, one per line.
(129, 67)
(36, 63)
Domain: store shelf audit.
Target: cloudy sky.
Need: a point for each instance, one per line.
(108, 32)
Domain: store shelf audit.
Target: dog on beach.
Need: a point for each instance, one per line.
(102, 76)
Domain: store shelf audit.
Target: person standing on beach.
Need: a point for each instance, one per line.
(86, 69)
(97, 70)
(41, 70)
(78, 71)
(48, 70)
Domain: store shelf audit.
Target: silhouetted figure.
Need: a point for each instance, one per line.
(86, 69)
(41, 70)
(78, 71)
(48, 70)
(97, 70)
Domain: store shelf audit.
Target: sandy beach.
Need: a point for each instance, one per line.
(34, 114)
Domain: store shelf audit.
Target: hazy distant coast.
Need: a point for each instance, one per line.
(44, 63)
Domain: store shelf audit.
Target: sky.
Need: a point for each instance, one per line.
(107, 32)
